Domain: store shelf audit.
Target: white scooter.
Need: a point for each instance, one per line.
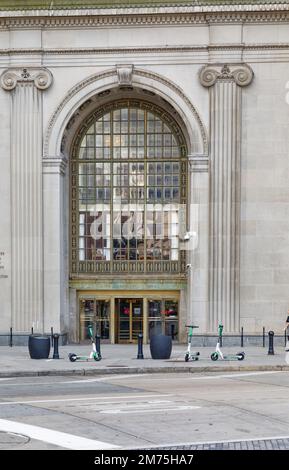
(194, 355)
(225, 357)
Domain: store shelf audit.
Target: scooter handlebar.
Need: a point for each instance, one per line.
(191, 326)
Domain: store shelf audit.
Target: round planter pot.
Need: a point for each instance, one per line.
(39, 346)
(161, 346)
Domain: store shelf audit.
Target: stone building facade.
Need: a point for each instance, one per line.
(138, 116)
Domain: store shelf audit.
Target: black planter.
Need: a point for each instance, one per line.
(39, 346)
(161, 346)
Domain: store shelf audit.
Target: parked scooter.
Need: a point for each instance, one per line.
(94, 355)
(194, 355)
(225, 357)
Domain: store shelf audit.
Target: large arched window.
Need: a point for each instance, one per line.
(128, 182)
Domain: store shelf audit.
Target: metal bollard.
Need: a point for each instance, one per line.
(221, 341)
(242, 337)
(55, 345)
(97, 345)
(140, 346)
(271, 341)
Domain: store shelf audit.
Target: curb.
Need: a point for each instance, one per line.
(141, 370)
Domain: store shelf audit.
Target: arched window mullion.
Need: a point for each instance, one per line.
(146, 167)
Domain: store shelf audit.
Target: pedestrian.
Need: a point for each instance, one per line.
(287, 342)
(287, 326)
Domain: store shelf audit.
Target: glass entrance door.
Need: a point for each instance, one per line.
(96, 313)
(163, 317)
(129, 319)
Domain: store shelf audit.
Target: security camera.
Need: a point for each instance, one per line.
(189, 235)
(188, 266)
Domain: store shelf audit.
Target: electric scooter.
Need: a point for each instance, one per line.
(194, 355)
(93, 355)
(227, 357)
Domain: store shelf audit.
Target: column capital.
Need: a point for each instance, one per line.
(54, 165)
(40, 76)
(241, 74)
(198, 163)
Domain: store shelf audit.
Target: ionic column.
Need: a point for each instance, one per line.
(197, 254)
(26, 86)
(56, 253)
(225, 87)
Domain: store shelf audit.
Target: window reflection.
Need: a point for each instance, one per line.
(129, 174)
(163, 317)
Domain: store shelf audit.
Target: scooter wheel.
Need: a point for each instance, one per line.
(72, 357)
(187, 357)
(97, 358)
(214, 356)
(241, 356)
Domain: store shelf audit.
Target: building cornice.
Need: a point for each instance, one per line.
(121, 8)
(176, 15)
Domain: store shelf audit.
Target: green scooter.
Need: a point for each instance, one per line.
(194, 355)
(228, 357)
(93, 355)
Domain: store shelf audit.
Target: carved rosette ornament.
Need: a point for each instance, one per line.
(242, 75)
(41, 77)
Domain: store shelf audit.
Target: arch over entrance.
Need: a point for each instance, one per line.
(98, 85)
(94, 95)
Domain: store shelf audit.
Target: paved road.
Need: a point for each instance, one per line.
(171, 411)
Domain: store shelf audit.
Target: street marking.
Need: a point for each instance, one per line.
(56, 400)
(140, 410)
(62, 439)
(83, 381)
(109, 377)
(230, 376)
(147, 375)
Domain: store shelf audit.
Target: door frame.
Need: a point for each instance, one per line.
(130, 301)
(134, 294)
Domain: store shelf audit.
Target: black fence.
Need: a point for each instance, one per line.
(242, 339)
(21, 339)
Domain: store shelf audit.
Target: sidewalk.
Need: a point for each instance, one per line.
(122, 359)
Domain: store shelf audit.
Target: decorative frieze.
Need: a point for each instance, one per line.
(26, 86)
(225, 84)
(156, 15)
